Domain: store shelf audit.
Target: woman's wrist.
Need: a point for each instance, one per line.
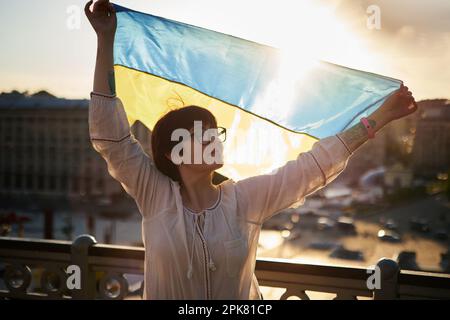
(105, 39)
(355, 136)
(377, 120)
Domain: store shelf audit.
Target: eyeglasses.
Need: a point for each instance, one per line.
(207, 136)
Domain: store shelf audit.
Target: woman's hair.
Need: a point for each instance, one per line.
(162, 132)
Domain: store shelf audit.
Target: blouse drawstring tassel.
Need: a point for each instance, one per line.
(211, 264)
(191, 258)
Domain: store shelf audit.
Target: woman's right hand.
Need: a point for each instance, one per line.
(102, 18)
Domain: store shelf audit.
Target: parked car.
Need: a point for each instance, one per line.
(346, 225)
(420, 225)
(407, 260)
(322, 245)
(390, 224)
(341, 252)
(441, 234)
(388, 235)
(324, 223)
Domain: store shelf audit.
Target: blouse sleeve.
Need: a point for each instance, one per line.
(260, 197)
(127, 162)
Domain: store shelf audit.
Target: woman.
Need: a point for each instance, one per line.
(200, 239)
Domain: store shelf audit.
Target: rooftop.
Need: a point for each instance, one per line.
(41, 99)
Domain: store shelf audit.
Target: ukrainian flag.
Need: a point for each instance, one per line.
(273, 108)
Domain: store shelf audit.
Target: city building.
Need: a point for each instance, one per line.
(431, 151)
(45, 148)
(419, 143)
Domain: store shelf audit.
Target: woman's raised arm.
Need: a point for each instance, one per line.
(400, 104)
(104, 21)
(109, 128)
(262, 196)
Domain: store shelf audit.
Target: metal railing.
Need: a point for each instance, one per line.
(39, 269)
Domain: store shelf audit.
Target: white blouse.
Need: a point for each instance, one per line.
(214, 259)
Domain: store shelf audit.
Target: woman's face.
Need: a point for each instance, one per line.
(202, 148)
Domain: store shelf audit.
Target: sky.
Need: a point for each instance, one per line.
(43, 47)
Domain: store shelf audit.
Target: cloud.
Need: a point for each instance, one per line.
(413, 43)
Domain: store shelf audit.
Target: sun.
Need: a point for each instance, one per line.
(312, 30)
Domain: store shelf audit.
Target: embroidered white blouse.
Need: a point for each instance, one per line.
(214, 259)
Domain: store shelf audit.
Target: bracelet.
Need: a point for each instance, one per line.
(369, 128)
(343, 142)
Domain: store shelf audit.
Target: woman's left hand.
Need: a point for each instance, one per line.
(400, 104)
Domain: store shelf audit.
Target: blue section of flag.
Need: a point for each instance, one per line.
(323, 102)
